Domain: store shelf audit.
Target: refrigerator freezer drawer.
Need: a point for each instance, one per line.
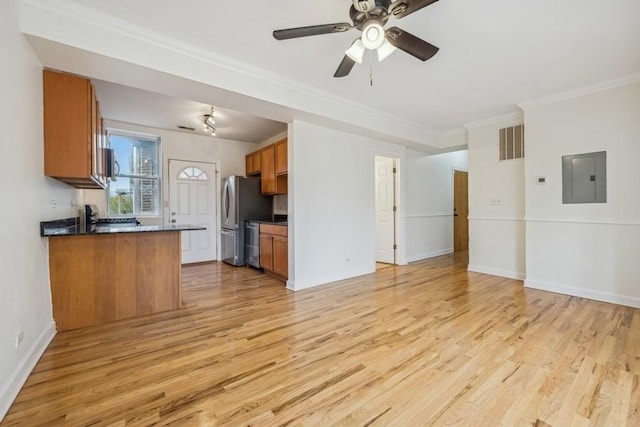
(232, 253)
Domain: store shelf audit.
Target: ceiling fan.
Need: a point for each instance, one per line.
(370, 17)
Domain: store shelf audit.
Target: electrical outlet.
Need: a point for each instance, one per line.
(495, 202)
(54, 204)
(19, 338)
(347, 259)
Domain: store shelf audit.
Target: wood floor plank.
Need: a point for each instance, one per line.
(423, 344)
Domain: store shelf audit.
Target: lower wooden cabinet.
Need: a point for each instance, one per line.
(104, 277)
(274, 250)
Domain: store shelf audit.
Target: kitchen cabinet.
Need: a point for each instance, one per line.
(100, 278)
(274, 174)
(74, 137)
(274, 250)
(253, 163)
(281, 157)
(268, 170)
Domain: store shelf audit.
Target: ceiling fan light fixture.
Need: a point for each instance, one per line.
(356, 51)
(372, 35)
(385, 50)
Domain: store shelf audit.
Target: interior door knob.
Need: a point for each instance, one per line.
(173, 221)
(173, 214)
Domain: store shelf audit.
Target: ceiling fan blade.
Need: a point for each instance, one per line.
(411, 44)
(345, 67)
(313, 30)
(402, 8)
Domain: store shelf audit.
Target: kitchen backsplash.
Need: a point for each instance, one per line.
(280, 206)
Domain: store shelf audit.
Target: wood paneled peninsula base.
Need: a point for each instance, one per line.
(100, 277)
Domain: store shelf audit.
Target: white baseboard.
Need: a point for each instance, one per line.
(432, 254)
(496, 272)
(583, 293)
(291, 285)
(10, 390)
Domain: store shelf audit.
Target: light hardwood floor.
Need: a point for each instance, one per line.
(424, 344)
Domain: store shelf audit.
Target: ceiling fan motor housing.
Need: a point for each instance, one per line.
(379, 12)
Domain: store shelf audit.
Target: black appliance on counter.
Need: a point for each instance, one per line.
(90, 218)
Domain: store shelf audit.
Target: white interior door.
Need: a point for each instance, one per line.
(192, 200)
(385, 201)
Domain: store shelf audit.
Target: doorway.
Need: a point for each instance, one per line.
(193, 200)
(460, 210)
(385, 205)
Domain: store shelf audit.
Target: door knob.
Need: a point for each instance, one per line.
(173, 221)
(173, 214)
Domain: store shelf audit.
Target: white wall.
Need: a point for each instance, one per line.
(25, 297)
(228, 155)
(589, 250)
(332, 203)
(496, 232)
(429, 202)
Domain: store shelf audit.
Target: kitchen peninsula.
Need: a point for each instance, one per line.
(111, 272)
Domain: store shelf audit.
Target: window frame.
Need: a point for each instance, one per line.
(157, 177)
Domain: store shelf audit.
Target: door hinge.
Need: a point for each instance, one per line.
(395, 246)
(395, 208)
(394, 170)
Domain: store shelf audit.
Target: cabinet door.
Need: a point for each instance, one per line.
(248, 164)
(281, 157)
(257, 163)
(266, 251)
(268, 169)
(281, 256)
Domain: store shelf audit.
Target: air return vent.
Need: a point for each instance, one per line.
(511, 143)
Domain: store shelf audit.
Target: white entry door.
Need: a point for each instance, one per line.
(385, 201)
(192, 200)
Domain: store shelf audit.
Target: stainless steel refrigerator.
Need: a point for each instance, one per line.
(241, 201)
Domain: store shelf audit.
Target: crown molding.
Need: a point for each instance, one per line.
(516, 116)
(579, 92)
(453, 132)
(92, 17)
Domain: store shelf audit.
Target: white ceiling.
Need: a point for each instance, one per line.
(130, 105)
(493, 54)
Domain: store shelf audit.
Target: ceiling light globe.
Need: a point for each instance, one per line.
(372, 35)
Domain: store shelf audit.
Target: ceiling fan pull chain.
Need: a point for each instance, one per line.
(371, 70)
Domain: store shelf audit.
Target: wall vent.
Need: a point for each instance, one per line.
(511, 143)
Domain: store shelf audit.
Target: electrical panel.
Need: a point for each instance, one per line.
(584, 178)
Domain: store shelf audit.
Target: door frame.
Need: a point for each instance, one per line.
(398, 229)
(165, 192)
(453, 198)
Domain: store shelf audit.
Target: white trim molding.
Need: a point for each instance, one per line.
(426, 255)
(490, 218)
(428, 215)
(582, 91)
(584, 221)
(11, 388)
(496, 272)
(583, 293)
(517, 117)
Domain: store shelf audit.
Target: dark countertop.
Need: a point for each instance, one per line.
(276, 222)
(70, 227)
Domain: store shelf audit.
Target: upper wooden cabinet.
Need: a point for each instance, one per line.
(272, 166)
(281, 157)
(268, 169)
(74, 140)
(253, 163)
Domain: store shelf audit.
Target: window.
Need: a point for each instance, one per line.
(135, 190)
(193, 173)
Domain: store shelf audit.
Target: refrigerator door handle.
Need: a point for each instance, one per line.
(225, 202)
